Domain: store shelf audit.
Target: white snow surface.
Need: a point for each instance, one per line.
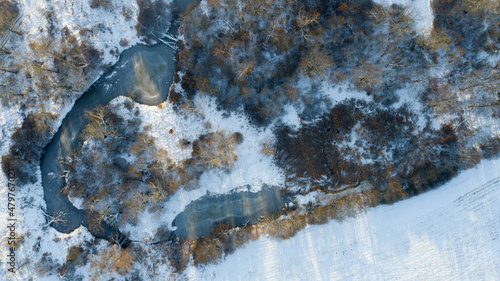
(111, 25)
(291, 117)
(450, 233)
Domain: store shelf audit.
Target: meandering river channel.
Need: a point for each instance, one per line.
(151, 69)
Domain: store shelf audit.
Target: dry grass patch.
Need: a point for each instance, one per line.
(112, 259)
(215, 150)
(207, 251)
(285, 228)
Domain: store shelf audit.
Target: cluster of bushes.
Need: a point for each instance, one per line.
(321, 154)
(60, 68)
(113, 259)
(225, 239)
(105, 4)
(9, 12)
(386, 149)
(28, 142)
(118, 169)
(216, 150)
(99, 171)
(53, 67)
(253, 59)
(470, 88)
(472, 24)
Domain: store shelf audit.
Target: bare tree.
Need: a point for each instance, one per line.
(315, 63)
(304, 19)
(56, 218)
(215, 150)
(112, 259)
(100, 125)
(479, 6)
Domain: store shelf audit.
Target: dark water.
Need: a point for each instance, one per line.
(235, 209)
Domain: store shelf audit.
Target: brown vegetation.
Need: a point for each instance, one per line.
(296, 40)
(112, 259)
(116, 190)
(207, 251)
(8, 14)
(314, 157)
(225, 239)
(215, 150)
(315, 63)
(73, 254)
(105, 4)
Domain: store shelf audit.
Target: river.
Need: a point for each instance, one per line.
(149, 69)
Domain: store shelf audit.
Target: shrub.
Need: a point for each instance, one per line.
(316, 156)
(237, 138)
(8, 13)
(367, 77)
(237, 239)
(267, 148)
(178, 255)
(215, 150)
(464, 21)
(491, 148)
(371, 197)
(101, 123)
(19, 238)
(348, 206)
(28, 142)
(284, 228)
(124, 42)
(207, 251)
(73, 254)
(105, 4)
(320, 214)
(112, 259)
(394, 192)
(315, 63)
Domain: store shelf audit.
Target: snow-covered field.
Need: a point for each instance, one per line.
(450, 233)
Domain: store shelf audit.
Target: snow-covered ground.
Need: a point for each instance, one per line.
(450, 233)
